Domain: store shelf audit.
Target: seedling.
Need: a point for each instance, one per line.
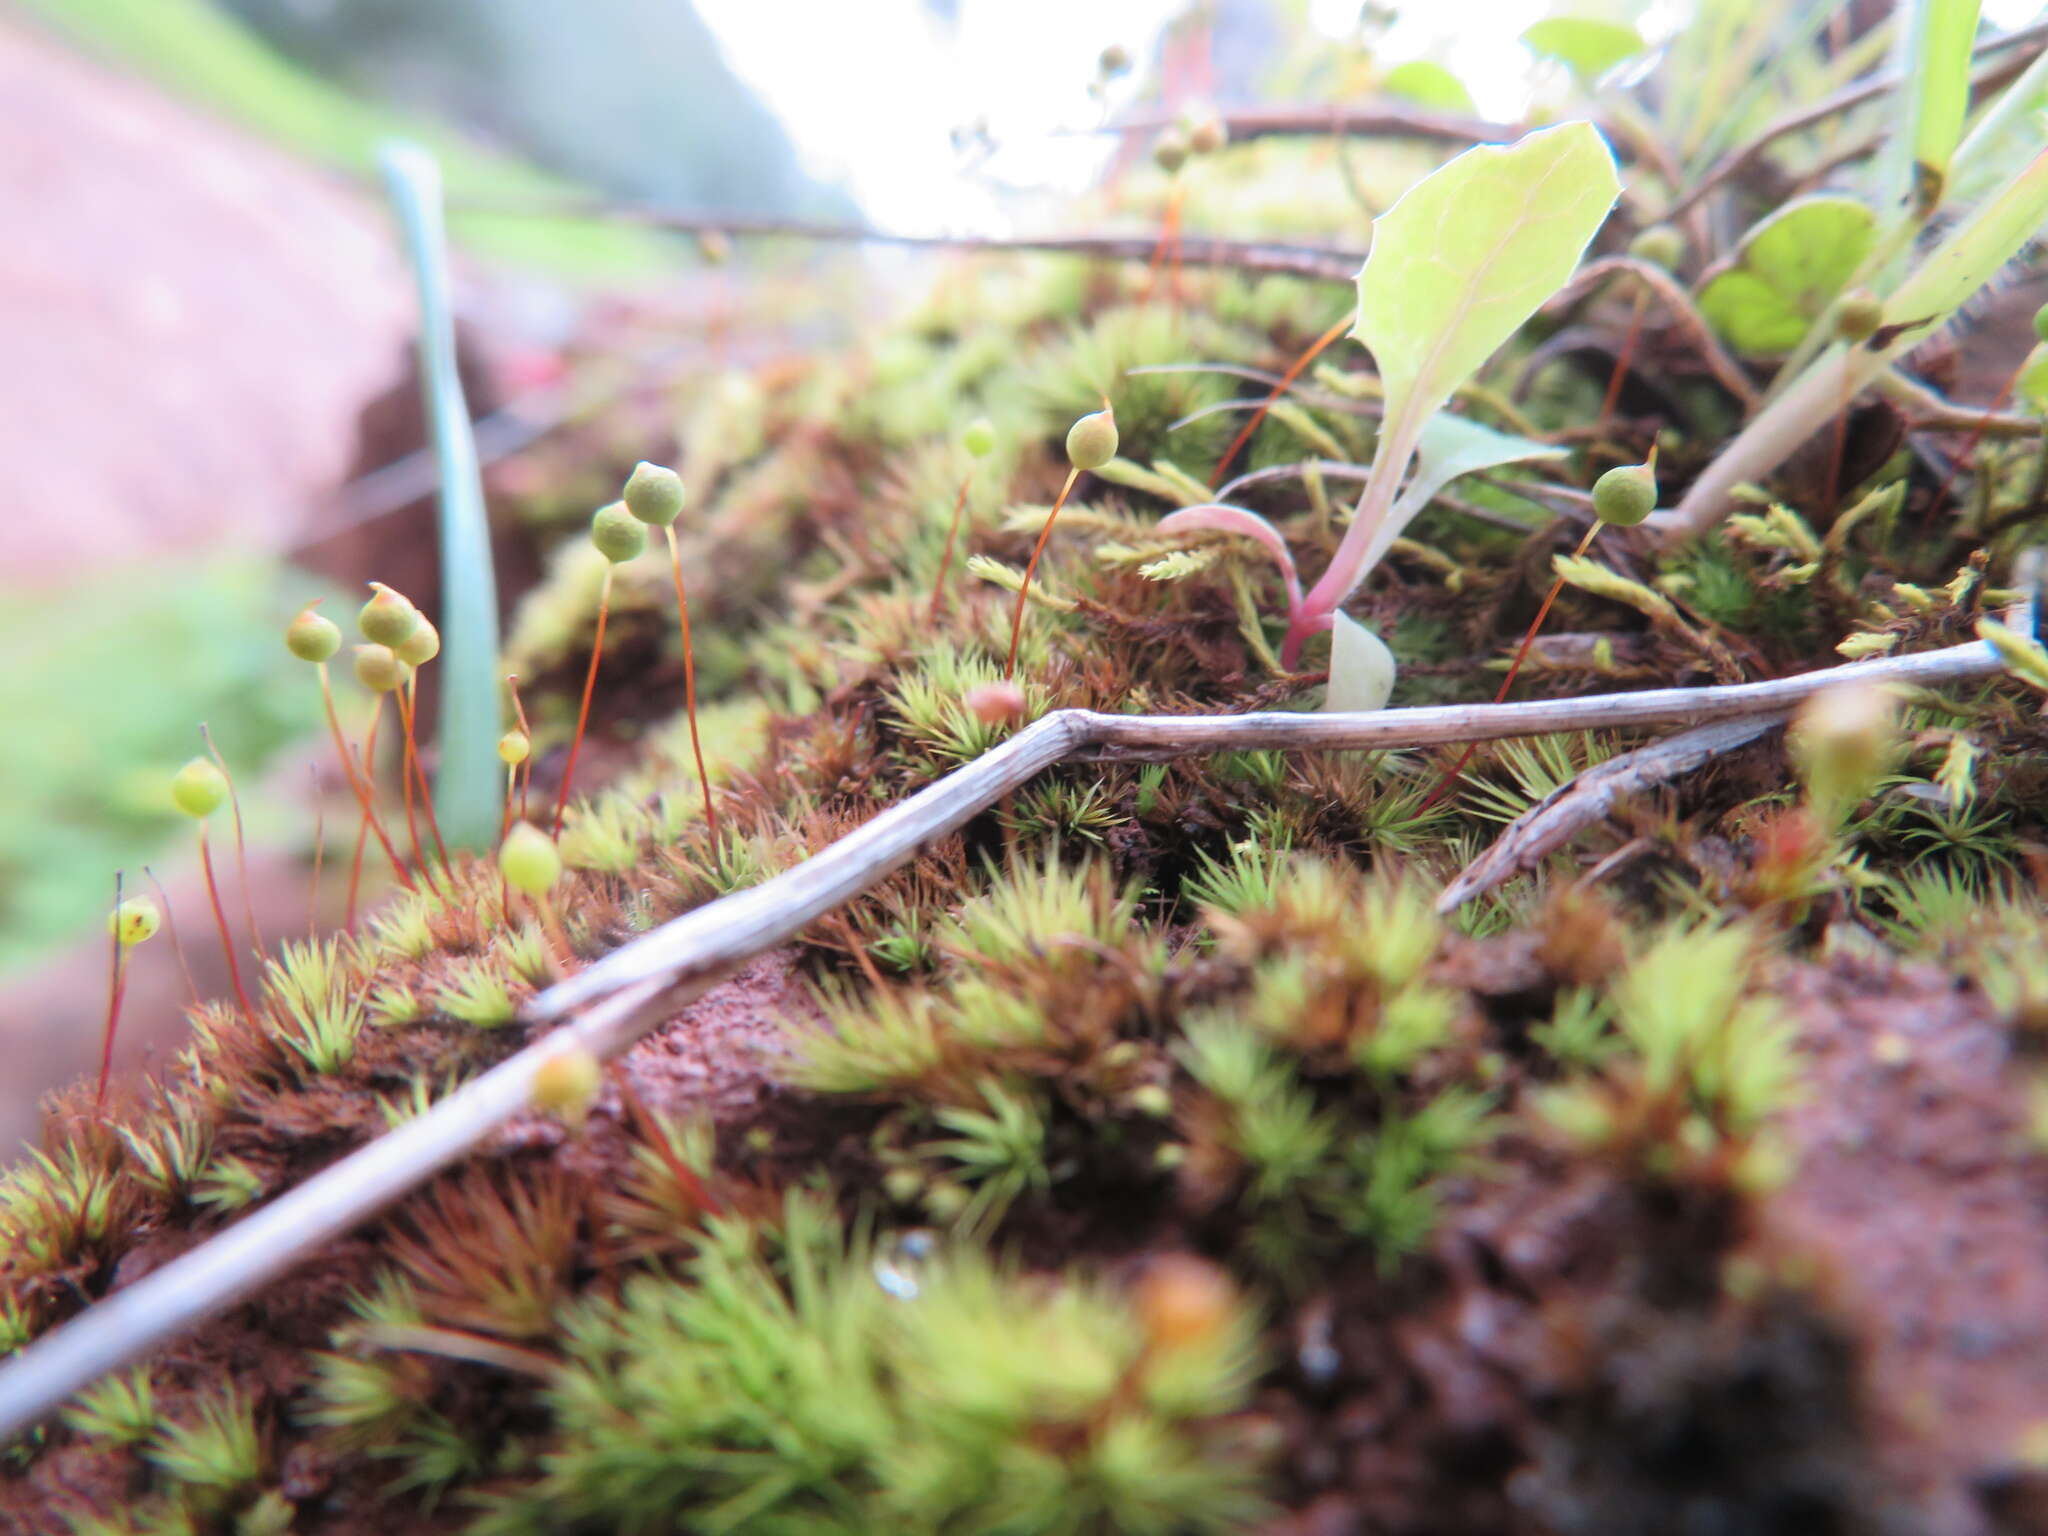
(654, 494)
(130, 923)
(979, 440)
(1091, 443)
(314, 638)
(1457, 265)
(619, 537)
(198, 790)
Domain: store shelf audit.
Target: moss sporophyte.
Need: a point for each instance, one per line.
(1106, 1097)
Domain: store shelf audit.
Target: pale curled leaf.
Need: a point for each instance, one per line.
(1361, 667)
(1221, 517)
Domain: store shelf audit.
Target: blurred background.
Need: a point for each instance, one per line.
(208, 410)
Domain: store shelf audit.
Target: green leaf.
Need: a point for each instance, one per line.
(1586, 46)
(1451, 446)
(1935, 37)
(1457, 266)
(1361, 667)
(1469, 252)
(1786, 272)
(466, 787)
(1428, 85)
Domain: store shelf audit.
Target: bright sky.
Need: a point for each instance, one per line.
(871, 89)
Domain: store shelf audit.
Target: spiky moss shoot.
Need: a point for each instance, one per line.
(388, 618)
(779, 1375)
(1841, 740)
(311, 637)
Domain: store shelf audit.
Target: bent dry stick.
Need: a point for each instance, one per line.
(606, 1007)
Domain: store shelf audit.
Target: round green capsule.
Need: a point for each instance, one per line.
(567, 1084)
(379, 669)
(1626, 495)
(1092, 441)
(1661, 245)
(1858, 315)
(979, 438)
(135, 920)
(421, 646)
(514, 748)
(1170, 150)
(617, 533)
(199, 788)
(1207, 134)
(387, 618)
(311, 637)
(654, 494)
(529, 860)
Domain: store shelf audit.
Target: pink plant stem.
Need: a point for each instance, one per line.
(604, 603)
(1024, 588)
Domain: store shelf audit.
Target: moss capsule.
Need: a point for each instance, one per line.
(617, 533)
(1625, 495)
(419, 647)
(1207, 134)
(1183, 1300)
(514, 748)
(654, 494)
(1113, 61)
(135, 920)
(199, 788)
(310, 637)
(1170, 150)
(1092, 441)
(379, 669)
(979, 438)
(1660, 245)
(529, 860)
(567, 1084)
(387, 618)
(1858, 315)
(994, 703)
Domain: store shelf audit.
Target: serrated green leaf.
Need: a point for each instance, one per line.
(1786, 271)
(1588, 47)
(1428, 85)
(1361, 667)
